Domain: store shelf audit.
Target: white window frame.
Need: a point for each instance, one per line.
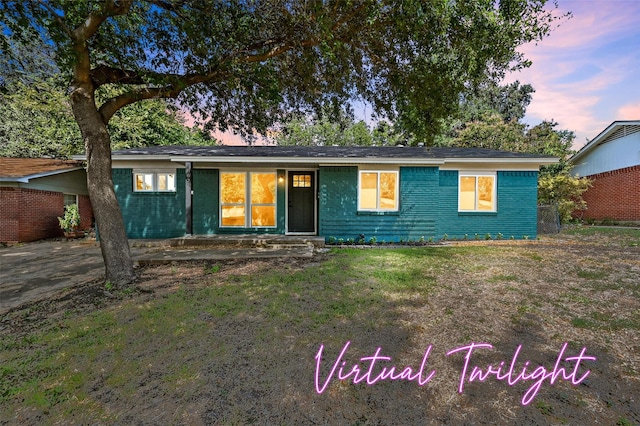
(155, 180)
(247, 199)
(166, 174)
(378, 172)
(75, 196)
(494, 192)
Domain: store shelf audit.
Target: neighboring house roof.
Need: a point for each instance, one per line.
(24, 169)
(616, 130)
(616, 147)
(328, 154)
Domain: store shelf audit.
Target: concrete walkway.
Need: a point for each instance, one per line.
(35, 271)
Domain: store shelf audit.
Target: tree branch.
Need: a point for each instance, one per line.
(57, 18)
(111, 106)
(171, 90)
(175, 84)
(109, 8)
(348, 16)
(105, 74)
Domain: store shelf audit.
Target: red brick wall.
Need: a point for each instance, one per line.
(32, 214)
(86, 212)
(9, 214)
(614, 195)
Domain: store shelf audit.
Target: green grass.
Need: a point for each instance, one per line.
(503, 278)
(544, 408)
(583, 323)
(604, 321)
(620, 236)
(599, 230)
(56, 364)
(591, 275)
(175, 343)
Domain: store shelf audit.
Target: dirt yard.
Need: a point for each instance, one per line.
(239, 342)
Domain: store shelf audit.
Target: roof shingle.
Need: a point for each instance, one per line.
(32, 167)
(325, 152)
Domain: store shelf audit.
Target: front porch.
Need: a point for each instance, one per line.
(248, 240)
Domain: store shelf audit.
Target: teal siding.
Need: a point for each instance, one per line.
(339, 216)
(205, 212)
(428, 207)
(206, 206)
(150, 215)
(516, 213)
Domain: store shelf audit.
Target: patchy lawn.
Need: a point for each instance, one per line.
(235, 342)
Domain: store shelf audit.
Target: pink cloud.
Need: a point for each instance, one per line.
(575, 84)
(629, 112)
(225, 138)
(591, 22)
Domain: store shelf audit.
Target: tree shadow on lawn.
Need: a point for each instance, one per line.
(238, 348)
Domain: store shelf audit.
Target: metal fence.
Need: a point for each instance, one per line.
(548, 219)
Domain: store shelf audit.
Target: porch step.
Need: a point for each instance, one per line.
(268, 241)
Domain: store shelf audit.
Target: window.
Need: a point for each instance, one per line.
(69, 199)
(166, 182)
(302, 181)
(154, 182)
(477, 192)
(378, 191)
(248, 199)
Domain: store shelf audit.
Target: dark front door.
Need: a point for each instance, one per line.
(301, 199)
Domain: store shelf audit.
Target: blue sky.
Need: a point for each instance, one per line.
(587, 72)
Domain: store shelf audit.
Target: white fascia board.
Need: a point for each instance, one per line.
(144, 163)
(140, 157)
(313, 160)
(503, 164)
(532, 163)
(127, 157)
(530, 160)
(14, 179)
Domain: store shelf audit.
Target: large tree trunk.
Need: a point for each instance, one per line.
(113, 237)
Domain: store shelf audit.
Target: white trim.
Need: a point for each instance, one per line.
(327, 161)
(378, 172)
(491, 167)
(142, 164)
(154, 180)
(477, 174)
(247, 205)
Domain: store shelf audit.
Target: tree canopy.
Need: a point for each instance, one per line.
(490, 117)
(36, 121)
(245, 65)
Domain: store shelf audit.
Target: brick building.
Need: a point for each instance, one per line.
(33, 193)
(612, 161)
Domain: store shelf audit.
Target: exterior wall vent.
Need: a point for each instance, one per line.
(622, 132)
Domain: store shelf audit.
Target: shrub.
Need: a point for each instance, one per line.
(71, 219)
(565, 191)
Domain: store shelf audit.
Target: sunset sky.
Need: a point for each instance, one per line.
(587, 72)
